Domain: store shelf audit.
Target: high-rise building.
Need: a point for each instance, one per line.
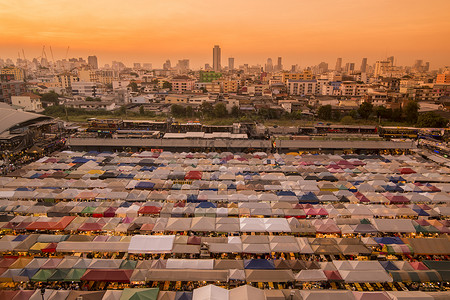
(216, 58)
(381, 67)
(338, 67)
(323, 67)
(183, 65)
(279, 64)
(390, 59)
(363, 68)
(167, 65)
(136, 66)
(231, 63)
(92, 62)
(269, 65)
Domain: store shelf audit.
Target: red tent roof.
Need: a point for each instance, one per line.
(152, 210)
(111, 275)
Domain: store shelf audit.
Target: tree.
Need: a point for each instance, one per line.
(347, 120)
(325, 112)
(134, 87)
(90, 99)
(336, 115)
(397, 114)
(206, 109)
(235, 111)
(167, 85)
(220, 110)
(431, 120)
(178, 110)
(365, 110)
(189, 112)
(204, 90)
(50, 97)
(411, 112)
(141, 110)
(382, 112)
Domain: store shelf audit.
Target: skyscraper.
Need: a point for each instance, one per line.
(363, 68)
(92, 62)
(269, 65)
(216, 58)
(167, 65)
(338, 67)
(279, 65)
(231, 63)
(391, 60)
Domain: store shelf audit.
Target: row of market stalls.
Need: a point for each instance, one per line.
(207, 223)
(326, 224)
(76, 269)
(245, 244)
(244, 292)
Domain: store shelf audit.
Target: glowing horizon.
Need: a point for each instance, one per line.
(302, 32)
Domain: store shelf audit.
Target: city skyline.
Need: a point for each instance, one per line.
(314, 32)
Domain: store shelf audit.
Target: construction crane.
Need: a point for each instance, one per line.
(51, 52)
(67, 51)
(53, 61)
(25, 59)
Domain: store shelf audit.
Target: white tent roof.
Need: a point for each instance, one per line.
(151, 244)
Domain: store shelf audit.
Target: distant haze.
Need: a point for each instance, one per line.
(303, 32)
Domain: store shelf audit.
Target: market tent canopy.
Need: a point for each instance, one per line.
(247, 292)
(210, 292)
(151, 244)
(188, 275)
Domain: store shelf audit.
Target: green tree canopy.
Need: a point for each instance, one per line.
(50, 97)
(411, 112)
(235, 111)
(178, 110)
(220, 110)
(167, 85)
(325, 112)
(365, 110)
(134, 87)
(431, 120)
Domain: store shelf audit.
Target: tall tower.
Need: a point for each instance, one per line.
(390, 59)
(92, 61)
(269, 65)
(279, 64)
(338, 67)
(363, 68)
(216, 58)
(231, 63)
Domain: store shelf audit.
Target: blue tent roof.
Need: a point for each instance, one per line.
(266, 264)
(192, 198)
(285, 193)
(145, 185)
(20, 238)
(308, 197)
(421, 212)
(389, 266)
(388, 240)
(125, 204)
(183, 296)
(25, 189)
(206, 205)
(28, 272)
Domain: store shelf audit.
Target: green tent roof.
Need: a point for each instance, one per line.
(140, 294)
(128, 264)
(75, 275)
(58, 275)
(42, 275)
(88, 210)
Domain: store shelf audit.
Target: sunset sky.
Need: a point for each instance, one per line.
(303, 32)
